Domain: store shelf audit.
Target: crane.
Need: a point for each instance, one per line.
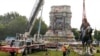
(34, 13)
(27, 44)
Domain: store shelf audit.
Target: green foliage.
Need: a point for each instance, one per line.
(76, 33)
(18, 25)
(12, 23)
(43, 53)
(97, 35)
(36, 26)
(43, 28)
(2, 29)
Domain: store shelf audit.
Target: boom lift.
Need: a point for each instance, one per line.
(37, 7)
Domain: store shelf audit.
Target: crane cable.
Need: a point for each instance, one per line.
(39, 27)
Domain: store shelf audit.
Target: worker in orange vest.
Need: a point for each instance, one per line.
(64, 50)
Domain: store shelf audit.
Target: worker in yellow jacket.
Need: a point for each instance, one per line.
(64, 50)
(67, 50)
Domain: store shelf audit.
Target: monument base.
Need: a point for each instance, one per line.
(51, 36)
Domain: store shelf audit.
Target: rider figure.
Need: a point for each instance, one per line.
(86, 31)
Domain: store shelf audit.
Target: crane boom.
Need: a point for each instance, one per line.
(35, 11)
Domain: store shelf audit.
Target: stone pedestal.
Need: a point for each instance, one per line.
(60, 21)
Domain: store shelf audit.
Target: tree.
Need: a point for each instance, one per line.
(97, 35)
(43, 28)
(2, 31)
(18, 25)
(76, 33)
(36, 26)
(12, 23)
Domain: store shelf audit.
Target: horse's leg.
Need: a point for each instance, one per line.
(91, 50)
(87, 47)
(84, 47)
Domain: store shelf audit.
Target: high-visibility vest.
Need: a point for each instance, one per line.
(63, 48)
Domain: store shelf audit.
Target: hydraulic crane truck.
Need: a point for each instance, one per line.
(35, 45)
(26, 46)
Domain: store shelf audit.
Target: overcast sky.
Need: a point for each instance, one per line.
(24, 7)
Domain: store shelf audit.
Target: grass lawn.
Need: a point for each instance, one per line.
(97, 54)
(50, 53)
(3, 54)
(53, 53)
